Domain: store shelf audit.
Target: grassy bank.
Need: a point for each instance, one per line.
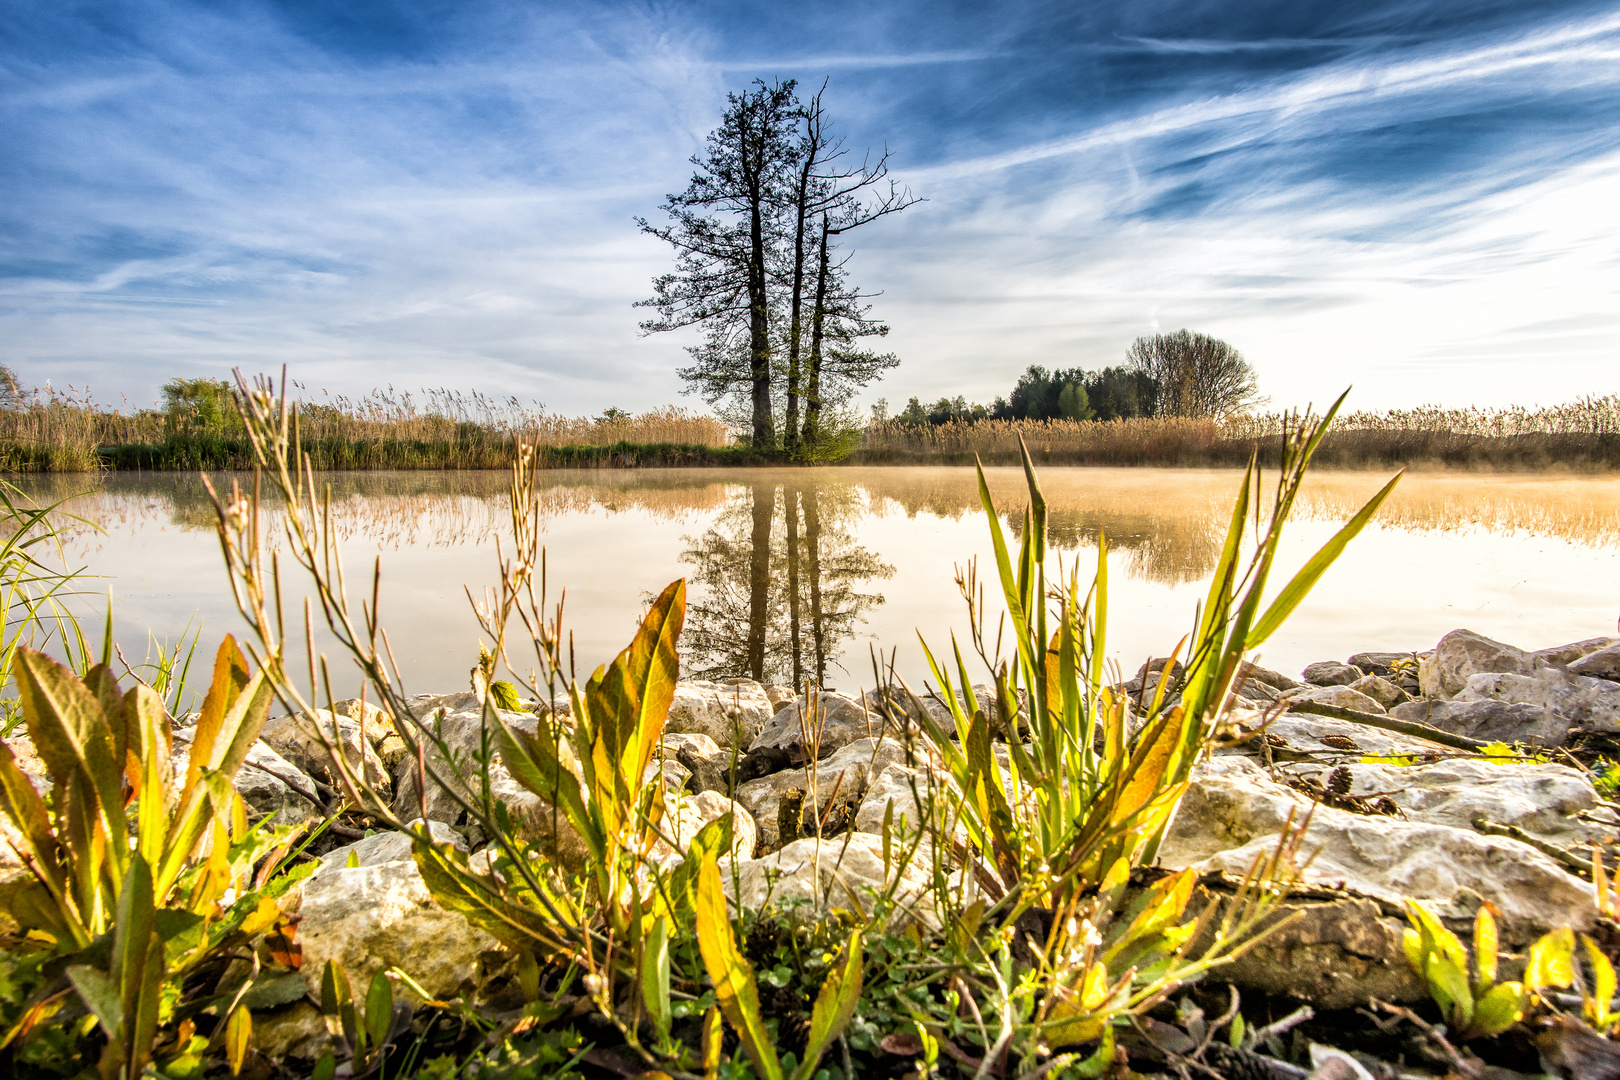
(1583, 435)
(64, 433)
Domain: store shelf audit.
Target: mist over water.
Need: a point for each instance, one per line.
(797, 574)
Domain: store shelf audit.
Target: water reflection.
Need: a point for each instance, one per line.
(778, 583)
(791, 569)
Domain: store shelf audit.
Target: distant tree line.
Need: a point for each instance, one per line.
(1179, 374)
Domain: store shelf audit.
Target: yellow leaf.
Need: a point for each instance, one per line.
(1094, 987)
(731, 974)
(263, 917)
(238, 1037)
(1597, 1006)
(1552, 960)
(1484, 948)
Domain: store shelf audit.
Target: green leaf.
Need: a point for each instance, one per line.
(1485, 948)
(1448, 985)
(1552, 960)
(100, 995)
(1498, 1009)
(238, 1037)
(379, 1010)
(1301, 584)
(834, 1007)
(733, 978)
(1101, 1059)
(506, 696)
(655, 975)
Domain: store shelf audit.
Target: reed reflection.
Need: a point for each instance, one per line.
(780, 582)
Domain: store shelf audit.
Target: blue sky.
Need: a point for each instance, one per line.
(1422, 199)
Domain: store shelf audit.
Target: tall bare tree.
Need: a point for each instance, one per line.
(825, 187)
(773, 187)
(723, 228)
(1197, 375)
(839, 318)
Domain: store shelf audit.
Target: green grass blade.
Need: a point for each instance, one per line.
(1295, 591)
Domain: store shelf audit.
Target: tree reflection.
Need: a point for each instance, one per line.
(778, 583)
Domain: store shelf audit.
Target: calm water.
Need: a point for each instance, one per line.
(795, 571)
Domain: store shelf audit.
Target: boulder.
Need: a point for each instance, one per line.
(1381, 690)
(1379, 663)
(270, 786)
(1488, 721)
(841, 721)
(1340, 697)
(1306, 733)
(686, 813)
(1259, 692)
(534, 817)
(423, 706)
(1576, 700)
(1444, 673)
(1234, 812)
(730, 714)
(1331, 673)
(386, 847)
(1602, 664)
(370, 918)
(1564, 655)
(840, 778)
(899, 786)
(778, 696)
(844, 872)
(1254, 673)
(1335, 954)
(1541, 799)
(708, 765)
(298, 739)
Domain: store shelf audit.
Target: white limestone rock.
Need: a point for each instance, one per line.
(374, 917)
(298, 739)
(1233, 811)
(1340, 697)
(1444, 673)
(730, 714)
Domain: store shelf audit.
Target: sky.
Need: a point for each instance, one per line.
(1419, 199)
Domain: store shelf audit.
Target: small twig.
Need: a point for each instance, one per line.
(1458, 1062)
(1283, 1026)
(1578, 866)
(1389, 723)
(1220, 1022)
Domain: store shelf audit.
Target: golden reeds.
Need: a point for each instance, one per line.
(53, 431)
(1583, 434)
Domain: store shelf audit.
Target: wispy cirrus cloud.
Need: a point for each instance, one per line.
(1388, 194)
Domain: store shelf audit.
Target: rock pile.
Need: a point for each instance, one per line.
(810, 787)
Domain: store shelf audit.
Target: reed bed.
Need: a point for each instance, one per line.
(56, 431)
(1583, 434)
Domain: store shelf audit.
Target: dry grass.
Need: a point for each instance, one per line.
(1583, 434)
(1068, 442)
(53, 431)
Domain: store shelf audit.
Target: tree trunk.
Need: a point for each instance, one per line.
(812, 543)
(812, 394)
(759, 577)
(790, 433)
(791, 499)
(759, 331)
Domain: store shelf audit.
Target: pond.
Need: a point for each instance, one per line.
(804, 572)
